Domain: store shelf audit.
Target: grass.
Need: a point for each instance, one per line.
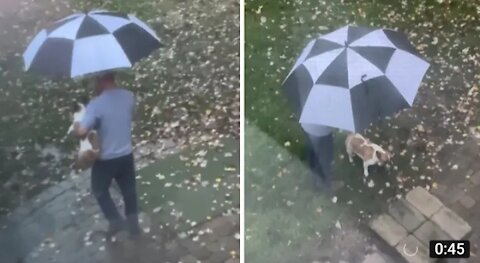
(186, 193)
(275, 33)
(281, 207)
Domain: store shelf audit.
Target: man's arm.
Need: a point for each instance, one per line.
(82, 127)
(80, 131)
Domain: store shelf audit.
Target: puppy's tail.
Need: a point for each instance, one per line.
(70, 130)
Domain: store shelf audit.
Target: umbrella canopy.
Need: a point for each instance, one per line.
(354, 76)
(82, 44)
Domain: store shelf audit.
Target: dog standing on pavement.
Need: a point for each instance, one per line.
(369, 152)
(89, 149)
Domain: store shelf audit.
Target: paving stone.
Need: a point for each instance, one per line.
(229, 243)
(61, 220)
(91, 209)
(188, 259)
(55, 190)
(208, 237)
(467, 202)
(407, 215)
(374, 258)
(55, 208)
(469, 173)
(196, 249)
(476, 178)
(222, 226)
(430, 231)
(174, 250)
(144, 220)
(219, 257)
(235, 219)
(21, 212)
(215, 247)
(454, 195)
(469, 149)
(422, 200)
(390, 230)
(233, 260)
(451, 223)
(440, 190)
(408, 249)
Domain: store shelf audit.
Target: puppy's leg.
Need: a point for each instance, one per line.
(93, 139)
(86, 159)
(349, 151)
(366, 164)
(78, 162)
(90, 157)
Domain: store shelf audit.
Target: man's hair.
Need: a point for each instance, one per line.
(109, 77)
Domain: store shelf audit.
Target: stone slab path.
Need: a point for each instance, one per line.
(459, 189)
(411, 223)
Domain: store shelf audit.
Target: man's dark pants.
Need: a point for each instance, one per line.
(320, 153)
(121, 169)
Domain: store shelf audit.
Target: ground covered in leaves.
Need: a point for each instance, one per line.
(423, 138)
(188, 91)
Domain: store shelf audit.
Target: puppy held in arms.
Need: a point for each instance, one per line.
(369, 152)
(89, 146)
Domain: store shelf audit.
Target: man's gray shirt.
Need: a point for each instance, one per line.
(111, 115)
(316, 130)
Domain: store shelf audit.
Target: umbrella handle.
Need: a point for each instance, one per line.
(363, 77)
(367, 90)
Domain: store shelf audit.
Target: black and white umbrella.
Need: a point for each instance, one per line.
(354, 76)
(92, 42)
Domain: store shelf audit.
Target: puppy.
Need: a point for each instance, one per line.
(369, 152)
(89, 146)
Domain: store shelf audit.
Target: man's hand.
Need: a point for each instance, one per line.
(79, 131)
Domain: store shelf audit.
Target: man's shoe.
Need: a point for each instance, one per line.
(133, 226)
(114, 227)
(329, 190)
(337, 185)
(333, 187)
(317, 182)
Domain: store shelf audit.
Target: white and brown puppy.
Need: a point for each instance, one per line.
(89, 146)
(369, 152)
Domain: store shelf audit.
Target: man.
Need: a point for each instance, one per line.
(110, 113)
(320, 154)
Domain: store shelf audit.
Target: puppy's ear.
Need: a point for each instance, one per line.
(75, 106)
(83, 100)
(388, 156)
